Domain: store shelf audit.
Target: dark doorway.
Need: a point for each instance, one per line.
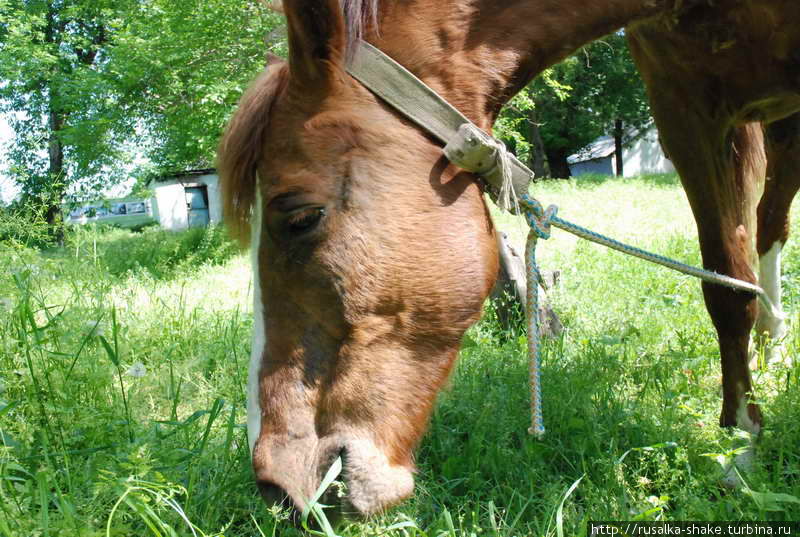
(197, 205)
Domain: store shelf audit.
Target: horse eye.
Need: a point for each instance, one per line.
(303, 220)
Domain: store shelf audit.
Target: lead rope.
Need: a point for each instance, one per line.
(540, 221)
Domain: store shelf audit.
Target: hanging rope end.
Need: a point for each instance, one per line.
(536, 431)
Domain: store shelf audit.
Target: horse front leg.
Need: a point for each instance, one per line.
(721, 168)
(722, 189)
(782, 143)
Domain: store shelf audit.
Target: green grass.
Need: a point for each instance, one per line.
(631, 392)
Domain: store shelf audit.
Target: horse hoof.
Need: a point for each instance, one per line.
(768, 354)
(733, 468)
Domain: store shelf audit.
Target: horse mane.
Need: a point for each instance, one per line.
(360, 16)
(242, 146)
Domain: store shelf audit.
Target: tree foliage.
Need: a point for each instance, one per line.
(577, 101)
(183, 66)
(93, 88)
(62, 107)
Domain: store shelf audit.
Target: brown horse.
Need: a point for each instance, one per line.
(372, 254)
(715, 75)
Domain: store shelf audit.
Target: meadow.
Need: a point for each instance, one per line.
(123, 365)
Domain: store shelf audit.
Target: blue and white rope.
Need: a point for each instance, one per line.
(540, 222)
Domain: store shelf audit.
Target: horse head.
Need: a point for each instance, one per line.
(372, 255)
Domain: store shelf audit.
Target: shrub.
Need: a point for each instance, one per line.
(24, 225)
(154, 250)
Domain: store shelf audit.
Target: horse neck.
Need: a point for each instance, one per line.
(479, 53)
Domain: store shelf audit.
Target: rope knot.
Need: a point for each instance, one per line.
(539, 219)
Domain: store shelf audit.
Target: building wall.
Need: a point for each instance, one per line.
(214, 197)
(171, 200)
(645, 156)
(597, 166)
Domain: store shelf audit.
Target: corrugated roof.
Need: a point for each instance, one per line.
(600, 148)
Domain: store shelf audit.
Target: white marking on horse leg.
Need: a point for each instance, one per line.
(743, 420)
(770, 281)
(774, 327)
(259, 336)
(745, 460)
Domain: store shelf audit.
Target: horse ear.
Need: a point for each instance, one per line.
(317, 41)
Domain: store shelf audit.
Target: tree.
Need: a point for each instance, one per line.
(594, 92)
(183, 67)
(51, 55)
(92, 84)
(519, 126)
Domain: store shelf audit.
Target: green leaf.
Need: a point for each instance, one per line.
(560, 511)
(112, 355)
(771, 501)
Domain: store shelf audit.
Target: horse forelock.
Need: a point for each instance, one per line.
(242, 146)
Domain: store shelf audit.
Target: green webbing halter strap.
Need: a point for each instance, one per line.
(416, 101)
(470, 148)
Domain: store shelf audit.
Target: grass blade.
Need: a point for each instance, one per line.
(560, 511)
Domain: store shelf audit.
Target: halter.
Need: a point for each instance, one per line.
(507, 180)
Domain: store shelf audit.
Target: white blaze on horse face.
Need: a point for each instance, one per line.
(259, 337)
(770, 281)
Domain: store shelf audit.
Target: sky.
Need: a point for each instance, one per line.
(8, 190)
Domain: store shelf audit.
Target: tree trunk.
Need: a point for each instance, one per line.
(618, 146)
(538, 161)
(559, 167)
(53, 192)
(512, 283)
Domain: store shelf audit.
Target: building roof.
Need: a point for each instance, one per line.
(184, 174)
(601, 148)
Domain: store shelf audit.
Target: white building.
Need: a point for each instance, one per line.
(644, 156)
(188, 199)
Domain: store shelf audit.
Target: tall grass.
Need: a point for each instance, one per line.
(159, 252)
(24, 225)
(123, 367)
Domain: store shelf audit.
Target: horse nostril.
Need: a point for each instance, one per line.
(273, 494)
